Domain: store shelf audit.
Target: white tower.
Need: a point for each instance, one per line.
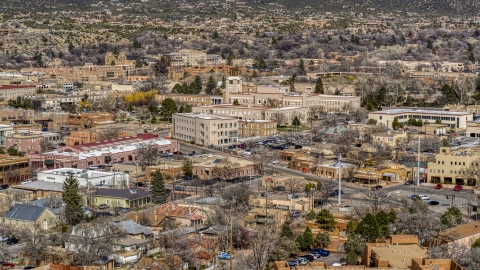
(234, 85)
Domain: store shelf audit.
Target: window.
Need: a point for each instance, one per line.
(107, 201)
(45, 224)
(96, 200)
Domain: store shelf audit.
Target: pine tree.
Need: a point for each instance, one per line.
(322, 239)
(211, 84)
(368, 228)
(452, 217)
(476, 244)
(296, 122)
(159, 193)
(286, 231)
(326, 220)
(308, 238)
(153, 120)
(187, 167)
(319, 86)
(301, 68)
(73, 201)
(300, 242)
(235, 102)
(351, 258)
(395, 124)
(181, 109)
(198, 82)
(311, 215)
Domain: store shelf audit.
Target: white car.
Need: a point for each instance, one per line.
(423, 197)
(91, 167)
(247, 153)
(275, 162)
(26, 181)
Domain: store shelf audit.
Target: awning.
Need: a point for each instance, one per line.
(49, 162)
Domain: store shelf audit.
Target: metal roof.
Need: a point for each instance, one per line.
(25, 212)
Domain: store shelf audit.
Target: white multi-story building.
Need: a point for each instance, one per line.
(205, 129)
(93, 178)
(452, 119)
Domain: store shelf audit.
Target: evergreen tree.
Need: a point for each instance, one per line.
(136, 44)
(153, 120)
(198, 82)
(395, 124)
(368, 228)
(286, 231)
(192, 88)
(351, 258)
(70, 46)
(187, 167)
(224, 82)
(13, 151)
(452, 217)
(308, 238)
(235, 102)
(311, 215)
(322, 239)
(301, 67)
(181, 109)
(392, 216)
(296, 122)
(325, 220)
(184, 88)
(159, 193)
(177, 88)
(73, 201)
(2, 151)
(476, 244)
(300, 242)
(168, 108)
(383, 221)
(188, 108)
(319, 86)
(351, 227)
(230, 58)
(211, 84)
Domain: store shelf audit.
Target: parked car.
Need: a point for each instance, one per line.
(308, 257)
(377, 187)
(439, 186)
(224, 256)
(298, 146)
(247, 153)
(103, 206)
(11, 241)
(264, 194)
(275, 162)
(187, 178)
(28, 267)
(336, 191)
(301, 260)
(26, 181)
(279, 188)
(179, 188)
(296, 214)
(410, 182)
(433, 203)
(92, 167)
(103, 214)
(293, 263)
(321, 251)
(457, 188)
(5, 186)
(414, 197)
(7, 264)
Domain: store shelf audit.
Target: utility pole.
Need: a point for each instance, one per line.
(418, 161)
(50, 41)
(339, 179)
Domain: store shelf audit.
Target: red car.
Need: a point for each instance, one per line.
(7, 264)
(457, 188)
(439, 186)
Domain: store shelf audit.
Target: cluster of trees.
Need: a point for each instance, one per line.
(196, 86)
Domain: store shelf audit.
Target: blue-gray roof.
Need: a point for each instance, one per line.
(25, 212)
(131, 227)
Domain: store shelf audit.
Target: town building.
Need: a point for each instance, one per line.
(473, 129)
(186, 215)
(259, 216)
(89, 119)
(463, 235)
(187, 58)
(11, 116)
(32, 141)
(126, 198)
(256, 128)
(13, 169)
(99, 153)
(94, 135)
(390, 138)
(8, 92)
(452, 119)
(5, 130)
(205, 129)
(190, 99)
(450, 167)
(25, 216)
(254, 113)
(86, 177)
(398, 251)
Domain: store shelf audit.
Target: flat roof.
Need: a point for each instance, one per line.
(401, 111)
(461, 231)
(205, 116)
(400, 256)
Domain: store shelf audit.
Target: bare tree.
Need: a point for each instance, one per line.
(326, 189)
(226, 169)
(147, 154)
(294, 184)
(263, 158)
(279, 117)
(264, 241)
(36, 242)
(52, 201)
(108, 133)
(46, 146)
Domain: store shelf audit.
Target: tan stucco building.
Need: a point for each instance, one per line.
(449, 167)
(205, 129)
(190, 99)
(452, 119)
(8, 92)
(252, 128)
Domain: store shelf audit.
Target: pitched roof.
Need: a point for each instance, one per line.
(25, 212)
(151, 218)
(131, 227)
(129, 194)
(170, 210)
